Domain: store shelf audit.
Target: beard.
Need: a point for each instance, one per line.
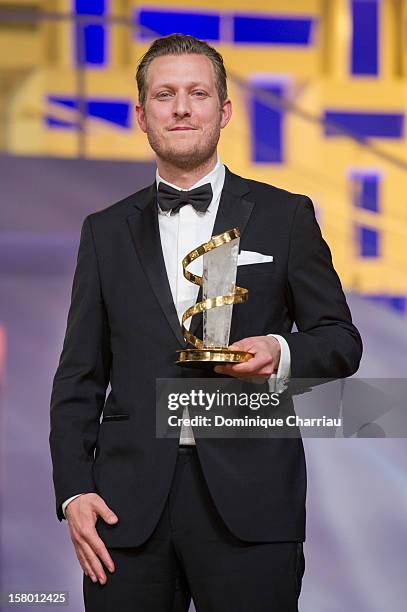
(183, 156)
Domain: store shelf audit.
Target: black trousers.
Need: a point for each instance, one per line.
(192, 553)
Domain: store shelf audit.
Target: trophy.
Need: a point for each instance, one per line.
(219, 293)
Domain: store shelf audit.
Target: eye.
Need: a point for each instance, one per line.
(200, 93)
(163, 94)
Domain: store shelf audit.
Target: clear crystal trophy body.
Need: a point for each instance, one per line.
(219, 294)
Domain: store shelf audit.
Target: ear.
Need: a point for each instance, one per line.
(226, 113)
(141, 119)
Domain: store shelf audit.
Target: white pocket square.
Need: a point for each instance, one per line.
(251, 257)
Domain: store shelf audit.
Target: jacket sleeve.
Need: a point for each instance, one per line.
(327, 344)
(81, 379)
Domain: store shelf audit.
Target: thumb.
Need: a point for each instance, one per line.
(107, 515)
(240, 345)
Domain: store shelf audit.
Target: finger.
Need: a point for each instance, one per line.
(253, 366)
(99, 549)
(258, 360)
(264, 369)
(85, 565)
(245, 344)
(94, 562)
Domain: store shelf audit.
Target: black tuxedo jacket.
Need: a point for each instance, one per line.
(123, 328)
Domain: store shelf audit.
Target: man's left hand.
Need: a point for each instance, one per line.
(266, 351)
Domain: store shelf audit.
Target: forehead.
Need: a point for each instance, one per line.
(181, 70)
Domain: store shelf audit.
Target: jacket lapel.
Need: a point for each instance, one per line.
(146, 237)
(234, 211)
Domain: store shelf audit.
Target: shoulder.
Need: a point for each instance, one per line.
(270, 196)
(276, 194)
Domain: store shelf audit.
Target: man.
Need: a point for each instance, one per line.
(222, 520)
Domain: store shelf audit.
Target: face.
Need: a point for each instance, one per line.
(183, 115)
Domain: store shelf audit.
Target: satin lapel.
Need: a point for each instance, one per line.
(234, 211)
(146, 238)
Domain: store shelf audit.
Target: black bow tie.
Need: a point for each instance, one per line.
(173, 199)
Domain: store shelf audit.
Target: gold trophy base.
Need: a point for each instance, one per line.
(211, 356)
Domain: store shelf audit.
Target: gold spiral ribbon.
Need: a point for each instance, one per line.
(239, 296)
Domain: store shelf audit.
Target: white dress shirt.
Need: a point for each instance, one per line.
(180, 233)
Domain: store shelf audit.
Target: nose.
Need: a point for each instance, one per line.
(182, 105)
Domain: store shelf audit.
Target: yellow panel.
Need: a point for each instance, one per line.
(20, 49)
(296, 7)
(318, 79)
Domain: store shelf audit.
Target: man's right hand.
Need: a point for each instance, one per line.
(82, 514)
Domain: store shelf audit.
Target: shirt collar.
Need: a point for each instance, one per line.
(215, 177)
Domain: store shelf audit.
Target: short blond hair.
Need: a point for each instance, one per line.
(180, 44)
